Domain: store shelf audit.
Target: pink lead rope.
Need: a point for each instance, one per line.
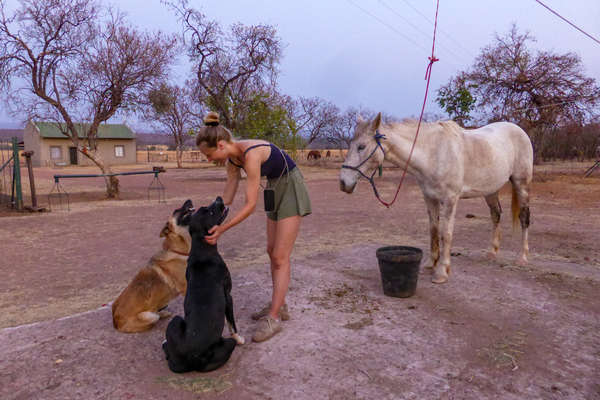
(432, 59)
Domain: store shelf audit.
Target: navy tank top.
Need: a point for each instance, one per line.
(274, 167)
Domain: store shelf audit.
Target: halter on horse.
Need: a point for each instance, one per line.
(378, 136)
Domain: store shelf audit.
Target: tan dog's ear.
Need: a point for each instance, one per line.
(165, 230)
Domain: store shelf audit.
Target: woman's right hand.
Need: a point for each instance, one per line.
(213, 234)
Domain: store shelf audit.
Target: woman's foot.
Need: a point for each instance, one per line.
(267, 328)
(284, 315)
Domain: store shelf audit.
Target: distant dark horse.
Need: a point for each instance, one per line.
(314, 154)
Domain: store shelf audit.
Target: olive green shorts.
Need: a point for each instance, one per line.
(291, 196)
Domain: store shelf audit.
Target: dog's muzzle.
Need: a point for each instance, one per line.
(189, 211)
(223, 215)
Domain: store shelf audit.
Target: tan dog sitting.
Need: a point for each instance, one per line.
(139, 306)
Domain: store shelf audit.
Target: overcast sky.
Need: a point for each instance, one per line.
(373, 53)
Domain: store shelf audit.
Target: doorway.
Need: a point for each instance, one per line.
(73, 155)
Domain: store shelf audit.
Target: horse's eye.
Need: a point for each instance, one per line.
(361, 147)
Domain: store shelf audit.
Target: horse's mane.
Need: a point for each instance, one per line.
(448, 127)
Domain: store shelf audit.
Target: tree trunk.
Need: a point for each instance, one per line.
(179, 156)
(112, 182)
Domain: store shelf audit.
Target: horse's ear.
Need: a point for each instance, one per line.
(376, 122)
(359, 119)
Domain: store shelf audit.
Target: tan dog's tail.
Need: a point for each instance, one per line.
(515, 207)
(116, 318)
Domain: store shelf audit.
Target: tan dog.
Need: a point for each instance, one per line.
(139, 306)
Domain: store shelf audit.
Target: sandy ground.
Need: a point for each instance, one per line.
(495, 330)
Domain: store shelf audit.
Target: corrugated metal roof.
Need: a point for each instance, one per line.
(105, 131)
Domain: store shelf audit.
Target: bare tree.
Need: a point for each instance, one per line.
(231, 67)
(68, 64)
(545, 88)
(313, 117)
(541, 91)
(175, 108)
(343, 132)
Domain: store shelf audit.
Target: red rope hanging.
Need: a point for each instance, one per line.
(432, 59)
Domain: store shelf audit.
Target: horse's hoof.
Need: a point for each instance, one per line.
(239, 339)
(441, 274)
(491, 255)
(522, 261)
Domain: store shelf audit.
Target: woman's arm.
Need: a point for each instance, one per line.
(252, 167)
(233, 180)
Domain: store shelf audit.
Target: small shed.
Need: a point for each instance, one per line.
(116, 144)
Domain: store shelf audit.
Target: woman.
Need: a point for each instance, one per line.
(290, 203)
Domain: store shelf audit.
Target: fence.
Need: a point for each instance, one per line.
(153, 156)
(195, 156)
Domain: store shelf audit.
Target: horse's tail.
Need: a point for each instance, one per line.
(515, 207)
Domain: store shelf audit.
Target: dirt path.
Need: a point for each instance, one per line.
(494, 331)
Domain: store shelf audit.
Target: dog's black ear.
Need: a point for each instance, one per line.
(165, 230)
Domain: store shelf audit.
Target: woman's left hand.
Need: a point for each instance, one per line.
(213, 234)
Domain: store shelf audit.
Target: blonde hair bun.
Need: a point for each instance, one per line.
(211, 119)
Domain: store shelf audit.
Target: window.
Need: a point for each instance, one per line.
(55, 152)
(119, 150)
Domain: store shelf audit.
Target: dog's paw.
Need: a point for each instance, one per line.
(239, 339)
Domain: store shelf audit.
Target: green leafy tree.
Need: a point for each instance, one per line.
(456, 99)
(268, 119)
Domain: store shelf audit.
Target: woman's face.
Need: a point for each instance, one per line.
(218, 153)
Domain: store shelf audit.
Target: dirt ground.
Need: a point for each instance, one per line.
(495, 330)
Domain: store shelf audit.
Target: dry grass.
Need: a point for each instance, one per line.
(200, 384)
(346, 299)
(506, 351)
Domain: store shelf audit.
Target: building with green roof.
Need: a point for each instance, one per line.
(116, 144)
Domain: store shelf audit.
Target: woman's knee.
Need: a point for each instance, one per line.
(279, 260)
(270, 250)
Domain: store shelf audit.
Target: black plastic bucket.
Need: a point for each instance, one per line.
(399, 267)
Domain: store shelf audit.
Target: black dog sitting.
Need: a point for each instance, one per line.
(196, 343)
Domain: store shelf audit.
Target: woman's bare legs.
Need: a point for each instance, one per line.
(281, 236)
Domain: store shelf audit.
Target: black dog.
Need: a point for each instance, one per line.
(196, 343)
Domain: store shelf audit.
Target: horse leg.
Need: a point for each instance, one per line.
(495, 211)
(447, 214)
(521, 191)
(433, 210)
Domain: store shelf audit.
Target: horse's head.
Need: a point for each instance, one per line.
(363, 158)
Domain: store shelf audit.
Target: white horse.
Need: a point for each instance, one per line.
(449, 163)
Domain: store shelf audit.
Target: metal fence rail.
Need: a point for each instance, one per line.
(61, 196)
